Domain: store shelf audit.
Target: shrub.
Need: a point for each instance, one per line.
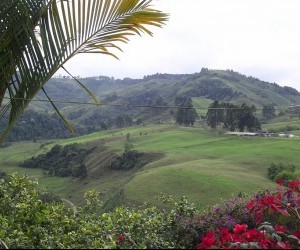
(275, 170)
(61, 161)
(286, 176)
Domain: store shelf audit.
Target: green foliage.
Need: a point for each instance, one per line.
(32, 125)
(287, 128)
(279, 170)
(127, 136)
(28, 222)
(186, 114)
(31, 58)
(215, 115)
(61, 161)
(128, 146)
(268, 111)
(286, 176)
(133, 159)
(232, 116)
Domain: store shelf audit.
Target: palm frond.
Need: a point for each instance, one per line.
(41, 35)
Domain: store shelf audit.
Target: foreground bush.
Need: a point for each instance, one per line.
(28, 222)
(31, 220)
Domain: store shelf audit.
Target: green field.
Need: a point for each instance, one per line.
(198, 164)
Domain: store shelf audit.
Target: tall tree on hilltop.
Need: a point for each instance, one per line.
(230, 117)
(38, 36)
(247, 119)
(215, 114)
(186, 113)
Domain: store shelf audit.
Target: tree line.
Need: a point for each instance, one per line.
(232, 116)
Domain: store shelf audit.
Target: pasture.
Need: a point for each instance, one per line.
(199, 164)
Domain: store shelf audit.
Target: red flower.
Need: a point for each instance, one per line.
(280, 229)
(267, 200)
(252, 235)
(297, 234)
(121, 238)
(295, 185)
(225, 235)
(238, 229)
(283, 245)
(251, 205)
(280, 182)
(207, 241)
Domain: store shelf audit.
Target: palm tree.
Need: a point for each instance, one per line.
(38, 36)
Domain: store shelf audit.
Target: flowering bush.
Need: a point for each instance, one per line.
(264, 237)
(282, 209)
(29, 222)
(227, 214)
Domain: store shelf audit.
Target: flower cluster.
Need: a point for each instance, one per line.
(265, 237)
(282, 209)
(284, 204)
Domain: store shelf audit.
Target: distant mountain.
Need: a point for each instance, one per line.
(211, 84)
(118, 96)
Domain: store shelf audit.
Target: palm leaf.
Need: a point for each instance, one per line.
(39, 36)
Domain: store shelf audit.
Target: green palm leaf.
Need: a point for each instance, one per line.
(38, 36)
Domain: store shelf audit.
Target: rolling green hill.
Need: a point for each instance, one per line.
(161, 89)
(129, 100)
(196, 163)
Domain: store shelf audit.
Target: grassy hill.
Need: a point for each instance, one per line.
(161, 89)
(199, 164)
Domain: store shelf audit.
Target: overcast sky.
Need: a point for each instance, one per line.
(260, 38)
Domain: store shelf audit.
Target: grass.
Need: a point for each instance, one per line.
(197, 164)
(195, 157)
(295, 122)
(203, 183)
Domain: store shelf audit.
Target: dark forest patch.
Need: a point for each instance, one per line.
(134, 159)
(61, 161)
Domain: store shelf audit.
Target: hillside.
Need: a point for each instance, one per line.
(128, 102)
(162, 89)
(196, 163)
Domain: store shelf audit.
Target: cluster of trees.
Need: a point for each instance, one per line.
(133, 159)
(232, 117)
(61, 161)
(213, 88)
(268, 111)
(105, 122)
(186, 113)
(35, 126)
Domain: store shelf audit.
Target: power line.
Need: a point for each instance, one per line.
(132, 105)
